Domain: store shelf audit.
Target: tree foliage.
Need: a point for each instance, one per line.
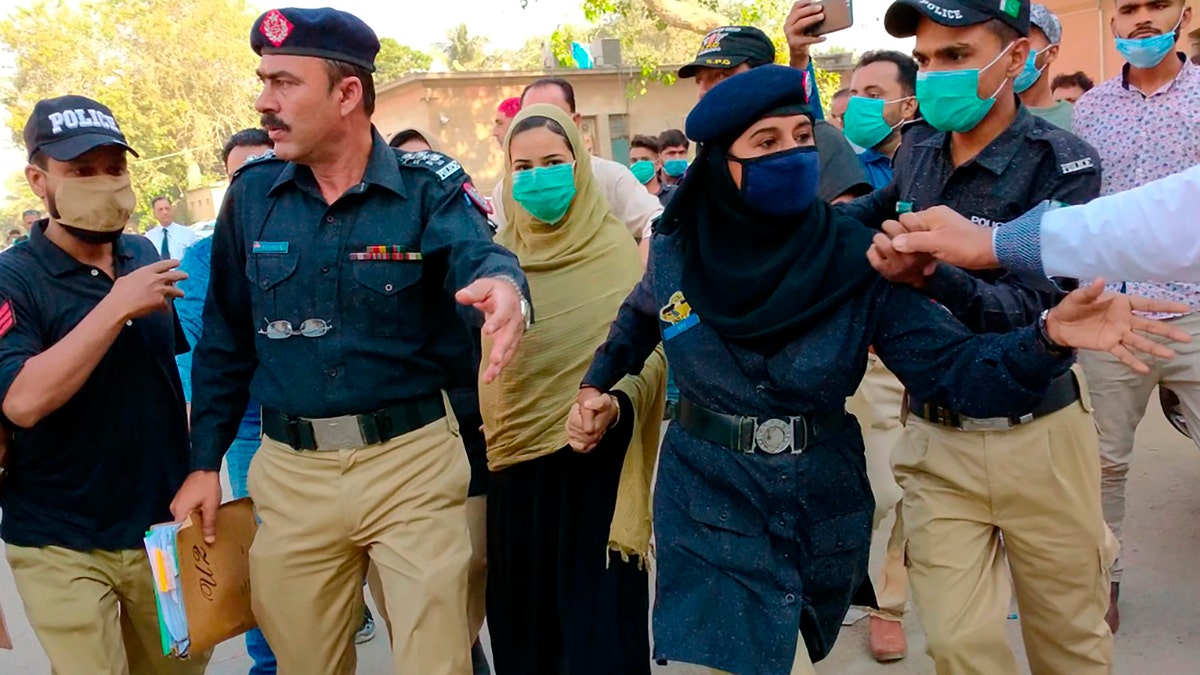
(462, 50)
(177, 74)
(396, 60)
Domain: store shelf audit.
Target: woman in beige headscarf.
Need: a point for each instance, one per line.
(568, 528)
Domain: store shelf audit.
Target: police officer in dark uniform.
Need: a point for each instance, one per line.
(332, 301)
(1034, 477)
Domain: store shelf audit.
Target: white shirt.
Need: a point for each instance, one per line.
(628, 199)
(1148, 233)
(179, 238)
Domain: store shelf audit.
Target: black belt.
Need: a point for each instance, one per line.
(1063, 391)
(753, 434)
(352, 431)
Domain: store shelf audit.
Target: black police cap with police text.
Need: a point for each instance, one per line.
(729, 108)
(322, 33)
(731, 46)
(902, 17)
(68, 126)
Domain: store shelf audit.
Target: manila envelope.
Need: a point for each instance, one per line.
(216, 579)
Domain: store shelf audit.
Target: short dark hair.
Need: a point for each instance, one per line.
(904, 63)
(1075, 79)
(40, 160)
(160, 198)
(539, 122)
(568, 91)
(1005, 32)
(840, 93)
(340, 70)
(405, 135)
(673, 138)
(646, 143)
(246, 138)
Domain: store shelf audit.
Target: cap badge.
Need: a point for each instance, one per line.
(712, 41)
(1011, 7)
(275, 27)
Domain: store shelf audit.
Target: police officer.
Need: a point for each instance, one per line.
(332, 302)
(89, 388)
(1031, 477)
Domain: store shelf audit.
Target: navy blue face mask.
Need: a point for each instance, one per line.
(781, 184)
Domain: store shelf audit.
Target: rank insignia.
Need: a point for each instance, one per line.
(678, 316)
(8, 319)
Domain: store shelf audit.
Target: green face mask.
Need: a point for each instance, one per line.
(864, 123)
(950, 98)
(643, 170)
(545, 192)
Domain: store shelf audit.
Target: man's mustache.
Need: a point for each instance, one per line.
(269, 121)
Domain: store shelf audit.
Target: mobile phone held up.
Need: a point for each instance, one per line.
(839, 15)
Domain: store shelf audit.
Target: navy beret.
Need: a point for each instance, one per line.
(729, 108)
(322, 33)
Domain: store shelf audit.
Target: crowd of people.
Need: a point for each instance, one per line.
(790, 331)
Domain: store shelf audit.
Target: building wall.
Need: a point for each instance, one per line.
(1088, 43)
(459, 109)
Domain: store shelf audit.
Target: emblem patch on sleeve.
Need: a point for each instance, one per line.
(479, 201)
(8, 319)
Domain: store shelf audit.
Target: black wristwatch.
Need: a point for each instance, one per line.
(1043, 337)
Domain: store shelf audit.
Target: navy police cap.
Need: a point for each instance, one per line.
(729, 108)
(322, 33)
(902, 17)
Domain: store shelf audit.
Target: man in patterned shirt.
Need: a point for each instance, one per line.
(1144, 123)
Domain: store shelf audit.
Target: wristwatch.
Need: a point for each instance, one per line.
(1043, 337)
(525, 313)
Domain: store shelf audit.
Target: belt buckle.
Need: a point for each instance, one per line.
(338, 433)
(774, 436)
(984, 424)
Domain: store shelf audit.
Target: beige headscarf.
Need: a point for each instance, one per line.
(580, 271)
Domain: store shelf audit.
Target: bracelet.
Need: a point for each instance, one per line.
(520, 294)
(616, 420)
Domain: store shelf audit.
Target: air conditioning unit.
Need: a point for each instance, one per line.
(606, 53)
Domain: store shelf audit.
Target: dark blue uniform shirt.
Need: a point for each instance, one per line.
(280, 252)
(97, 472)
(752, 548)
(1031, 161)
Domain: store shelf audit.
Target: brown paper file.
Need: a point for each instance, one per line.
(216, 579)
(5, 640)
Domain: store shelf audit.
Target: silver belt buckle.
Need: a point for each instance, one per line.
(774, 436)
(984, 424)
(337, 433)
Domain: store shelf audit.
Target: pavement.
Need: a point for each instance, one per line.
(1160, 622)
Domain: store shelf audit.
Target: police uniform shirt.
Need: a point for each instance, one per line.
(1030, 161)
(380, 265)
(98, 471)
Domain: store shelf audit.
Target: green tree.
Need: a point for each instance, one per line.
(396, 60)
(177, 74)
(462, 50)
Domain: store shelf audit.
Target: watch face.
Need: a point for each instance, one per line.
(774, 436)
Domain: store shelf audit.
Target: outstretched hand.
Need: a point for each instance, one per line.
(500, 302)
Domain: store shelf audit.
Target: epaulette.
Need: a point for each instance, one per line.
(253, 161)
(440, 165)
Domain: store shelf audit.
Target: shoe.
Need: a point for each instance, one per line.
(887, 640)
(479, 663)
(1113, 617)
(367, 631)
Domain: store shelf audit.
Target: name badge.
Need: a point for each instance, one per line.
(678, 315)
(904, 207)
(269, 248)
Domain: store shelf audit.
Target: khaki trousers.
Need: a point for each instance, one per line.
(1038, 485)
(1120, 396)
(877, 404)
(94, 611)
(400, 504)
(802, 665)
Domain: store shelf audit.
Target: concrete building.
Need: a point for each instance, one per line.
(458, 108)
(1087, 42)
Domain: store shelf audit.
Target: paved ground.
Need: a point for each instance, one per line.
(1160, 630)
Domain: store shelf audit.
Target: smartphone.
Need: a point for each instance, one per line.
(839, 15)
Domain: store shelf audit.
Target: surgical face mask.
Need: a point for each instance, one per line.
(1150, 51)
(950, 98)
(545, 192)
(864, 123)
(1031, 74)
(781, 184)
(675, 167)
(94, 209)
(643, 170)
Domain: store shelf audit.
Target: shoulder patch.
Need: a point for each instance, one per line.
(477, 200)
(1071, 154)
(442, 166)
(8, 317)
(253, 161)
(1077, 165)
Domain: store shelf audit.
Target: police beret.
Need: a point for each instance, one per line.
(729, 108)
(322, 33)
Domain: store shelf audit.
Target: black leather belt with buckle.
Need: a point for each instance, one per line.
(352, 431)
(1063, 391)
(772, 436)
